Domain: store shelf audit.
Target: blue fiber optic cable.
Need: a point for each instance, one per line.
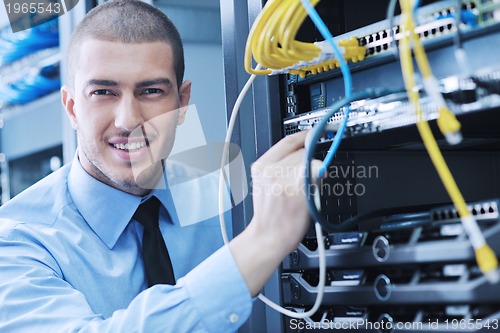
(323, 29)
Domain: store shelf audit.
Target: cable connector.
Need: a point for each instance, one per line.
(488, 263)
(351, 51)
(447, 122)
(449, 126)
(350, 48)
(485, 257)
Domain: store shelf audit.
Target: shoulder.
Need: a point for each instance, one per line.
(194, 192)
(192, 180)
(39, 204)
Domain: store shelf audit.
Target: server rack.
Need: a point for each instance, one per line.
(407, 259)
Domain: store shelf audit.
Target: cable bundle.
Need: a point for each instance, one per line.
(37, 83)
(16, 46)
(272, 43)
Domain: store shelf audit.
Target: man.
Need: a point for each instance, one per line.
(70, 246)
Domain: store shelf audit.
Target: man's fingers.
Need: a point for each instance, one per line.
(283, 148)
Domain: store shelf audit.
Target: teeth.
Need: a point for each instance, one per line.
(130, 146)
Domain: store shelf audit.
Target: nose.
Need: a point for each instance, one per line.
(128, 114)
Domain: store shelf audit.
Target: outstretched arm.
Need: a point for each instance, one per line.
(280, 211)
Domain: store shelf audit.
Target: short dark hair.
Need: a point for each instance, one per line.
(127, 21)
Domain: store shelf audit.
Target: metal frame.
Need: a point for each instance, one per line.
(258, 128)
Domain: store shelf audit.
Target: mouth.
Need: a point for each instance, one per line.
(130, 147)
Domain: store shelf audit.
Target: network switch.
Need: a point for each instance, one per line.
(394, 111)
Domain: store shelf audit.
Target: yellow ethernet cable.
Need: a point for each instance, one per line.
(256, 30)
(268, 39)
(447, 122)
(271, 42)
(485, 257)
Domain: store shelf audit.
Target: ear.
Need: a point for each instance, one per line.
(68, 101)
(184, 96)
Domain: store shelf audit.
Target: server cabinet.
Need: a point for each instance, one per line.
(405, 259)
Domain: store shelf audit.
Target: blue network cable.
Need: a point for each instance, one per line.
(416, 5)
(30, 87)
(18, 45)
(323, 29)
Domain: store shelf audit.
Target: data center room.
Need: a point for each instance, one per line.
(401, 100)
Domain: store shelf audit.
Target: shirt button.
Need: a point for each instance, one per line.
(233, 318)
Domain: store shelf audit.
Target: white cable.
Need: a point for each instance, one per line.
(321, 284)
(225, 151)
(317, 226)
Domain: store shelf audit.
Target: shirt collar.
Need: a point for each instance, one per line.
(106, 209)
(162, 192)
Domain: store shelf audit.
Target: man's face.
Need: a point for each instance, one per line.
(125, 106)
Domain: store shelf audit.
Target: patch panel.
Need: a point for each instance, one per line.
(381, 41)
(394, 111)
(435, 22)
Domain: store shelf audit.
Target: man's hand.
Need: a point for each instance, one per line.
(280, 216)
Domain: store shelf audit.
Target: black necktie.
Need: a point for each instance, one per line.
(154, 252)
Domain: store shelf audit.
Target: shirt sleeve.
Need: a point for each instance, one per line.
(34, 296)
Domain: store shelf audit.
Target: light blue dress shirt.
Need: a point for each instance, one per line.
(70, 261)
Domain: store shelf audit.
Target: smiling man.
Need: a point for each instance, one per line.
(106, 104)
(75, 255)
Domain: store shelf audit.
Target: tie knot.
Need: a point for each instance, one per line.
(148, 212)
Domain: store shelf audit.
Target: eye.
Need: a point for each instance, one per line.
(101, 92)
(152, 91)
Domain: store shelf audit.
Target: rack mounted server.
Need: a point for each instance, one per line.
(404, 258)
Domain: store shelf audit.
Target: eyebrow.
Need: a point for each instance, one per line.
(106, 83)
(142, 84)
(153, 82)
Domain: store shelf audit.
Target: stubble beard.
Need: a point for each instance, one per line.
(140, 184)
